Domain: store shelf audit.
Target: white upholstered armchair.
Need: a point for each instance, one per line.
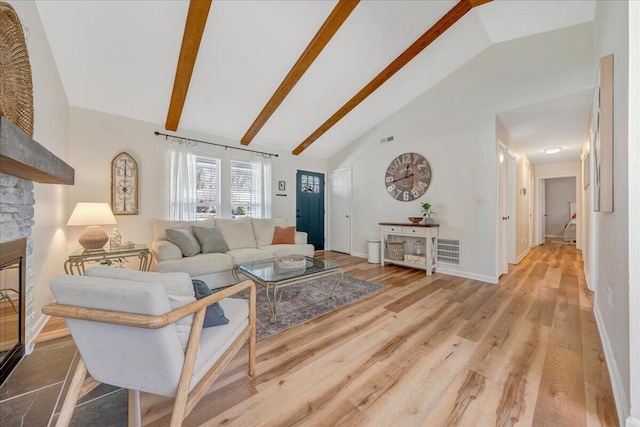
(143, 332)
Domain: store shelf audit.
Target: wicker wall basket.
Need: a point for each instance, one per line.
(395, 251)
(16, 87)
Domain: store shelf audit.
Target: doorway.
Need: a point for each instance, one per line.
(340, 210)
(558, 203)
(310, 206)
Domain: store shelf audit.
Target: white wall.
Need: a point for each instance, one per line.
(559, 192)
(51, 118)
(453, 125)
(95, 138)
(634, 212)
(612, 258)
(523, 167)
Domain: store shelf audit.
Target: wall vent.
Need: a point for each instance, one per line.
(387, 139)
(449, 251)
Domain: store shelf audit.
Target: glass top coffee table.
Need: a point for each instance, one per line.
(265, 273)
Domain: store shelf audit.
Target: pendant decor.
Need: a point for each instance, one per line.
(408, 177)
(16, 86)
(124, 185)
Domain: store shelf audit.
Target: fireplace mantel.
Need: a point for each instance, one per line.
(24, 158)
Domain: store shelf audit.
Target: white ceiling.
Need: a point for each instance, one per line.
(120, 57)
(559, 122)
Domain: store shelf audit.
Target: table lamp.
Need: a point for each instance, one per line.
(92, 214)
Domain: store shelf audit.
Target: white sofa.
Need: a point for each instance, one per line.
(249, 239)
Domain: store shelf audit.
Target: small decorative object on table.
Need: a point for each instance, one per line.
(116, 239)
(427, 212)
(415, 219)
(290, 262)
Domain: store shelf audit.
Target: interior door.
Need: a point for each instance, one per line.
(531, 189)
(310, 206)
(543, 211)
(502, 210)
(510, 235)
(340, 210)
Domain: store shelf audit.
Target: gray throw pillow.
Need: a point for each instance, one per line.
(210, 239)
(183, 239)
(214, 315)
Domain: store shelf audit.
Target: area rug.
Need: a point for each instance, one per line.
(301, 303)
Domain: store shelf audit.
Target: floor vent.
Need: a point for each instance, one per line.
(449, 251)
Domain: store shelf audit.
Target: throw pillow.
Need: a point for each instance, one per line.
(183, 239)
(284, 235)
(214, 316)
(210, 239)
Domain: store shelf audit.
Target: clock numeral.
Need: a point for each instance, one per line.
(422, 165)
(422, 185)
(405, 196)
(425, 175)
(415, 193)
(391, 188)
(388, 179)
(406, 158)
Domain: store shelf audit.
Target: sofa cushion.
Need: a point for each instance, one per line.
(284, 236)
(238, 233)
(249, 254)
(160, 225)
(198, 265)
(282, 250)
(177, 285)
(214, 314)
(210, 239)
(185, 240)
(263, 229)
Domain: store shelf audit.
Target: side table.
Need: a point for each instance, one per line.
(111, 256)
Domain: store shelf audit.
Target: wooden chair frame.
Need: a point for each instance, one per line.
(184, 401)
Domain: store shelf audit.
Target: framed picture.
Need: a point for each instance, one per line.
(282, 186)
(124, 185)
(602, 138)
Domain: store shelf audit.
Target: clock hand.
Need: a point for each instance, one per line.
(400, 179)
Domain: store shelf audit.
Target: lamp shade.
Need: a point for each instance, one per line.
(92, 214)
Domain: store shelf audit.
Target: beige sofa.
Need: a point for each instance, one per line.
(249, 239)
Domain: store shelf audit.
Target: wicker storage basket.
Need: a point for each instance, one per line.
(395, 251)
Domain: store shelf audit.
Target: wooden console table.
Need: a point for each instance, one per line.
(118, 256)
(396, 232)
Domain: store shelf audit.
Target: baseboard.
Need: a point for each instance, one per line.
(359, 255)
(553, 235)
(37, 328)
(466, 275)
(633, 422)
(619, 394)
(524, 254)
(585, 269)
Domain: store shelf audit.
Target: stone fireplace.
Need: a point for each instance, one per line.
(22, 161)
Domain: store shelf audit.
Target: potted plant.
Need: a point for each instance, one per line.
(427, 212)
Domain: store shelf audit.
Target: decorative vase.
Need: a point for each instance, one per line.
(428, 220)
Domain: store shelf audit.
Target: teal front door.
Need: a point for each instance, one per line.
(310, 206)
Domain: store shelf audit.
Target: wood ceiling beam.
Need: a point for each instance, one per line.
(334, 21)
(450, 18)
(193, 30)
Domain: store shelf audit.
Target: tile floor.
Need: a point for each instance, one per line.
(32, 395)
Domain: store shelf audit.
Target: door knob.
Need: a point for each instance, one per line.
(298, 216)
(504, 218)
(346, 216)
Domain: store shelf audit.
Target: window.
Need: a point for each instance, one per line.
(240, 189)
(207, 187)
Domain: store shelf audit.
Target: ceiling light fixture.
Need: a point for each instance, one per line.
(552, 150)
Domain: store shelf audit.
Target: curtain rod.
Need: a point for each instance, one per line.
(167, 136)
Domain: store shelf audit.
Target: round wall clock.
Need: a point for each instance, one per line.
(124, 185)
(408, 177)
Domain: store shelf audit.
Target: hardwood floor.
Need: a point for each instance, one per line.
(438, 351)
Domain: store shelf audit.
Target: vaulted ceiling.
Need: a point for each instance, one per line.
(120, 58)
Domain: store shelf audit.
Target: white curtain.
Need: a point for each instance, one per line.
(260, 185)
(182, 165)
